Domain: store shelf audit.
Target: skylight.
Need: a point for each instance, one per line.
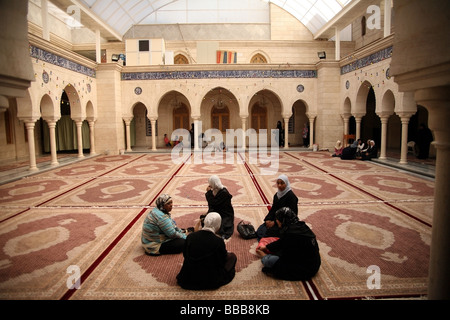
(121, 15)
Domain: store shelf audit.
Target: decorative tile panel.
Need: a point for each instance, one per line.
(366, 61)
(59, 61)
(234, 74)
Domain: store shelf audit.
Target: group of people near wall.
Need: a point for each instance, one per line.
(287, 246)
(357, 150)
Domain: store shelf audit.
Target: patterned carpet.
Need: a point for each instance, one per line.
(373, 225)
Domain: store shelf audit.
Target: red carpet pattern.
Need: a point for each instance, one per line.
(83, 222)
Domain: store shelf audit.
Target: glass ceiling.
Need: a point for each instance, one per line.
(121, 15)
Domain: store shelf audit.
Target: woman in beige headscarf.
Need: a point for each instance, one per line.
(207, 264)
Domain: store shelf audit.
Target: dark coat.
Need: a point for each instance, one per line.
(299, 253)
(371, 153)
(289, 200)
(221, 203)
(205, 257)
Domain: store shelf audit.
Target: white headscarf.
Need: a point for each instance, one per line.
(212, 222)
(215, 184)
(288, 186)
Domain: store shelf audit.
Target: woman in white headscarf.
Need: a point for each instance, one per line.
(284, 197)
(219, 200)
(207, 264)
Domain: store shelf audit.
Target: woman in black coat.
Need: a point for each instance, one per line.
(295, 256)
(284, 197)
(219, 200)
(207, 264)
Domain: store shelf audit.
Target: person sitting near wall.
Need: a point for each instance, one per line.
(337, 149)
(370, 153)
(167, 141)
(349, 153)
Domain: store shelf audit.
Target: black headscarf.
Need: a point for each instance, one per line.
(287, 217)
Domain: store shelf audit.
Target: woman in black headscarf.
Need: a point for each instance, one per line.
(295, 256)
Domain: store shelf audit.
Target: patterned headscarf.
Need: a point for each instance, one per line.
(286, 216)
(162, 200)
(212, 222)
(288, 186)
(215, 184)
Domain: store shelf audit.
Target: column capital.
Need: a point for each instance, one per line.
(127, 120)
(311, 115)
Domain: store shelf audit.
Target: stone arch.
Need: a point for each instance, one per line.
(180, 58)
(47, 108)
(220, 96)
(76, 110)
(90, 111)
(168, 102)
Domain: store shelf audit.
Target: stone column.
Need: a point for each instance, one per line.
(346, 119)
(311, 130)
(196, 134)
(286, 133)
(358, 126)
(437, 101)
(29, 124)
(404, 117)
(244, 128)
(384, 121)
(79, 124)
(128, 133)
(51, 126)
(153, 123)
(92, 136)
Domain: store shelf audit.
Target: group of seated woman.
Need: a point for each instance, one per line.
(292, 254)
(207, 264)
(357, 150)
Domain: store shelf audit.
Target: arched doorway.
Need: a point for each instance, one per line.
(370, 122)
(265, 105)
(66, 128)
(296, 123)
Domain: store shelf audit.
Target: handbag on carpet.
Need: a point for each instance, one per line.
(246, 230)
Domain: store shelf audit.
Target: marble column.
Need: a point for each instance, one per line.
(196, 134)
(29, 124)
(128, 133)
(286, 133)
(384, 121)
(437, 101)
(404, 146)
(244, 128)
(79, 124)
(311, 118)
(92, 136)
(51, 126)
(358, 127)
(153, 123)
